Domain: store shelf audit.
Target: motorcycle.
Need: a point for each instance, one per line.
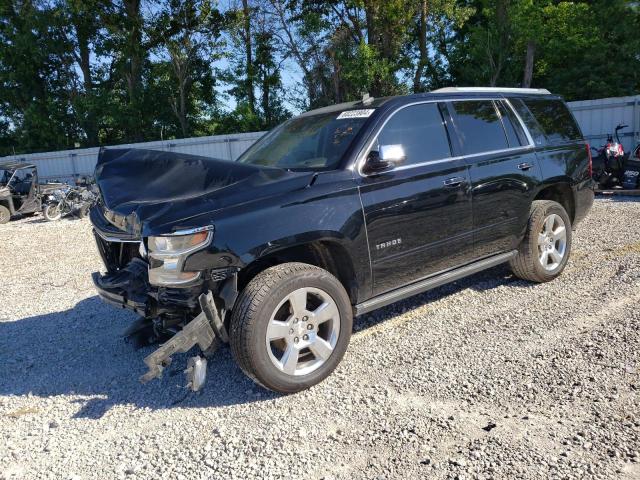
(69, 201)
(608, 163)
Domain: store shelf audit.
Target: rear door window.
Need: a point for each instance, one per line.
(420, 130)
(479, 126)
(512, 127)
(555, 119)
(529, 120)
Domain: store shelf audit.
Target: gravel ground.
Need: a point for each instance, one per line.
(490, 377)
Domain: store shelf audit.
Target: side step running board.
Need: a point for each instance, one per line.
(432, 282)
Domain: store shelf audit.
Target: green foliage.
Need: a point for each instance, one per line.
(95, 72)
(584, 49)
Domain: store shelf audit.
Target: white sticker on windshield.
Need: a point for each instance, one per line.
(356, 114)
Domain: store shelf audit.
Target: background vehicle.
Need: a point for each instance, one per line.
(67, 201)
(19, 190)
(335, 213)
(608, 164)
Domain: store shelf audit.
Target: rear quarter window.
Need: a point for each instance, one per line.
(554, 119)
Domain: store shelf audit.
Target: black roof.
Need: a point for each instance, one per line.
(15, 165)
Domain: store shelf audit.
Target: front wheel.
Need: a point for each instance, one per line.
(291, 326)
(544, 252)
(52, 212)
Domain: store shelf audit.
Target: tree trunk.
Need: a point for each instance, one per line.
(266, 92)
(422, 45)
(133, 73)
(335, 77)
(90, 126)
(503, 31)
(246, 12)
(184, 122)
(528, 64)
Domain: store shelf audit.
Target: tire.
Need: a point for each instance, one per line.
(52, 212)
(5, 214)
(268, 304)
(543, 234)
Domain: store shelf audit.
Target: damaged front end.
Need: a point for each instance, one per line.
(147, 276)
(158, 264)
(154, 226)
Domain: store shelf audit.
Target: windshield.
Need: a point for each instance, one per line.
(315, 142)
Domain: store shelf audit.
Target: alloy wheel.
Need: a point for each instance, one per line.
(552, 242)
(303, 331)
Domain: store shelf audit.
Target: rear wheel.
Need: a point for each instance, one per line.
(291, 326)
(5, 214)
(544, 252)
(52, 212)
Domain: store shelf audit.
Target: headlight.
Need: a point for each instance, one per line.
(177, 243)
(167, 255)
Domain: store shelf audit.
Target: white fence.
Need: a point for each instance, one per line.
(69, 164)
(597, 118)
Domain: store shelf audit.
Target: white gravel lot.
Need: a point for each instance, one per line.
(490, 377)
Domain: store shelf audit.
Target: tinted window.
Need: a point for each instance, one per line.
(515, 133)
(479, 127)
(308, 142)
(420, 130)
(532, 125)
(555, 119)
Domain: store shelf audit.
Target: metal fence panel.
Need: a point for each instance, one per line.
(598, 118)
(69, 164)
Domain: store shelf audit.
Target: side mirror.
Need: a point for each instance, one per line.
(386, 158)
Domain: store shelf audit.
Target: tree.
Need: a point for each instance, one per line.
(35, 77)
(188, 38)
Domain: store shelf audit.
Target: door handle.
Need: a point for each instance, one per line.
(453, 182)
(525, 166)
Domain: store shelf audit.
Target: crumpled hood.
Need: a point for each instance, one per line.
(152, 192)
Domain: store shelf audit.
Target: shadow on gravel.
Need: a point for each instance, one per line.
(80, 352)
(40, 219)
(483, 281)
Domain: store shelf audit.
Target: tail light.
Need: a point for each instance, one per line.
(590, 161)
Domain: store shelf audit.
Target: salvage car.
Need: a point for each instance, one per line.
(335, 213)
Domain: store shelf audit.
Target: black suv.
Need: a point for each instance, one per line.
(333, 214)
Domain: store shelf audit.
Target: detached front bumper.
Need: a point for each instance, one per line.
(128, 288)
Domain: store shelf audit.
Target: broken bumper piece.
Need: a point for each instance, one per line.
(206, 331)
(129, 288)
(197, 332)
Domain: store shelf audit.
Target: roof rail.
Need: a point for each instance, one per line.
(537, 91)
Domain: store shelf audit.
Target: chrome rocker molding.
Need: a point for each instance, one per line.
(432, 282)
